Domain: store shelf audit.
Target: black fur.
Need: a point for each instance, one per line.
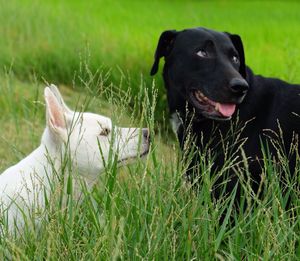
(205, 60)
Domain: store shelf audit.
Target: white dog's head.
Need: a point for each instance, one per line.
(89, 137)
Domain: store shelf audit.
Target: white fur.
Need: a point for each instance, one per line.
(175, 122)
(85, 137)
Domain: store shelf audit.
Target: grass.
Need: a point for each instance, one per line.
(100, 53)
(145, 210)
(53, 39)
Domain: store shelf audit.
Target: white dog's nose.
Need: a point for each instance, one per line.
(146, 134)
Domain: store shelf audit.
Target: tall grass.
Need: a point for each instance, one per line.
(146, 210)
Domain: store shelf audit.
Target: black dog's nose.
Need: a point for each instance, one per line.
(238, 86)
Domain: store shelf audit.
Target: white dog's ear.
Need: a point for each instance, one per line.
(56, 92)
(55, 114)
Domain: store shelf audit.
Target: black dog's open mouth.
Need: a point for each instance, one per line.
(212, 109)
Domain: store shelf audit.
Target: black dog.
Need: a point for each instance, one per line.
(205, 73)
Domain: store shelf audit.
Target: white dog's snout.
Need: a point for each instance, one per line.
(146, 134)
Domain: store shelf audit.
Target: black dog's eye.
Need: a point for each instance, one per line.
(202, 53)
(104, 132)
(235, 59)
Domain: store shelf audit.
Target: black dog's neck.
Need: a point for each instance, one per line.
(249, 76)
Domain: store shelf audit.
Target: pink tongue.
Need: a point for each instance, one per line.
(226, 109)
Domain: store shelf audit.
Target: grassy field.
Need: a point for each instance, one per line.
(54, 39)
(100, 54)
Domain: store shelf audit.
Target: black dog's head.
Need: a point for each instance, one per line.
(206, 68)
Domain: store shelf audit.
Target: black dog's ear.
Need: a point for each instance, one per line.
(163, 48)
(238, 44)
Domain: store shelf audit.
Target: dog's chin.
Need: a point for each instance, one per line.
(130, 159)
(217, 118)
(211, 109)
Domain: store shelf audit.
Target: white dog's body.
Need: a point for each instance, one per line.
(85, 138)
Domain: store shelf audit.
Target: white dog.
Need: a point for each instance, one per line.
(86, 138)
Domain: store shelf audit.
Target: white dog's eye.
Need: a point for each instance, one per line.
(235, 59)
(202, 53)
(104, 132)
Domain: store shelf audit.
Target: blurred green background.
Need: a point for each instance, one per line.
(55, 40)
